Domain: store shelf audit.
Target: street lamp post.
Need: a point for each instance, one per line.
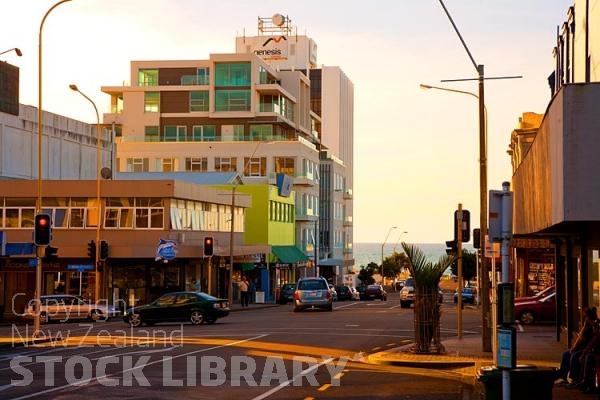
(98, 165)
(398, 241)
(16, 50)
(232, 229)
(382, 245)
(38, 269)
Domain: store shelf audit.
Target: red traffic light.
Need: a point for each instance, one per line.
(42, 233)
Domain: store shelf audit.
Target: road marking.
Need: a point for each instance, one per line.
(97, 378)
(376, 348)
(352, 325)
(324, 387)
(287, 383)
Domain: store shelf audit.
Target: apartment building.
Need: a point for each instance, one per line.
(251, 111)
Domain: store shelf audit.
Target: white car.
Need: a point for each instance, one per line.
(407, 294)
(67, 307)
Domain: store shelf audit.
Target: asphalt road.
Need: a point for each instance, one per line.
(269, 353)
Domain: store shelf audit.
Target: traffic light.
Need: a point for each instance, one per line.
(452, 247)
(208, 246)
(103, 250)
(466, 226)
(50, 254)
(42, 234)
(92, 250)
(477, 238)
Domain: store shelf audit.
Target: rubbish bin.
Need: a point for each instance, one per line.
(259, 297)
(526, 382)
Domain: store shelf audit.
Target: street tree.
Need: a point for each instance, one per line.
(469, 265)
(365, 275)
(427, 310)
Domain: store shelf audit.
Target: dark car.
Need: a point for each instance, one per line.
(529, 310)
(375, 292)
(286, 294)
(344, 292)
(361, 292)
(195, 307)
(312, 293)
(468, 295)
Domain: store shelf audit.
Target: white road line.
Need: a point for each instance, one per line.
(287, 383)
(55, 389)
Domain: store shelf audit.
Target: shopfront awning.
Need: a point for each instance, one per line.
(289, 254)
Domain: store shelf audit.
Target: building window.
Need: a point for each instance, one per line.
(255, 166)
(151, 134)
(166, 164)
(261, 132)
(232, 74)
(151, 102)
(285, 165)
(204, 133)
(137, 164)
(199, 100)
(225, 164)
(232, 133)
(201, 78)
(175, 133)
(232, 100)
(147, 77)
(196, 164)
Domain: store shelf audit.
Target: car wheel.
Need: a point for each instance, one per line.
(527, 317)
(403, 304)
(97, 315)
(135, 320)
(196, 318)
(296, 309)
(330, 309)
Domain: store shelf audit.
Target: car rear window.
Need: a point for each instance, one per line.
(312, 285)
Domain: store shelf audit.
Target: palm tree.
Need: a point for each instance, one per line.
(427, 310)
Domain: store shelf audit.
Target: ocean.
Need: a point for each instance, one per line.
(364, 253)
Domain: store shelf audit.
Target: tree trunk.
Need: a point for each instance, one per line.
(427, 321)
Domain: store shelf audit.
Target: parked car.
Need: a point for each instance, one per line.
(286, 294)
(194, 307)
(312, 292)
(362, 292)
(334, 295)
(344, 292)
(534, 309)
(407, 294)
(68, 307)
(468, 295)
(398, 285)
(375, 292)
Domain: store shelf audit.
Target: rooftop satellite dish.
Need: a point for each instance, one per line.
(278, 19)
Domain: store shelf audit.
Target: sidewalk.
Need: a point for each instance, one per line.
(465, 357)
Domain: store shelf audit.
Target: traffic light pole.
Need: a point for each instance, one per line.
(459, 263)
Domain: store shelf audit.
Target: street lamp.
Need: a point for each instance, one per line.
(383, 244)
(38, 269)
(232, 230)
(16, 49)
(98, 165)
(398, 241)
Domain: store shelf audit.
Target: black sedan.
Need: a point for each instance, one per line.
(194, 307)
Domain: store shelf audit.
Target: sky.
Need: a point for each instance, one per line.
(416, 152)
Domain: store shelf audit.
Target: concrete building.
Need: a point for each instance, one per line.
(555, 177)
(252, 111)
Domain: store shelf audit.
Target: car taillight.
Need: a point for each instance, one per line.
(296, 296)
(328, 295)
